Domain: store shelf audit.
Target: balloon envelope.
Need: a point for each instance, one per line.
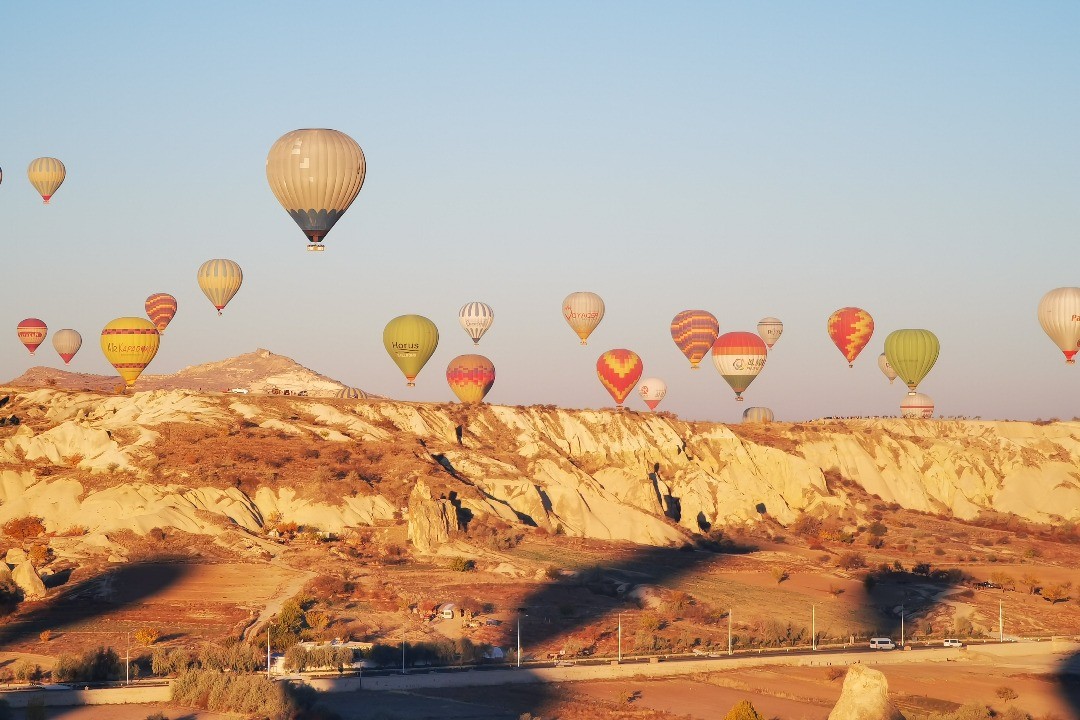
(1059, 316)
(757, 415)
(694, 332)
(161, 308)
(219, 281)
(886, 368)
(315, 174)
(350, 393)
(410, 340)
(32, 333)
(46, 175)
(917, 405)
(769, 329)
(912, 353)
(67, 342)
(619, 370)
(652, 391)
(739, 356)
(583, 311)
(129, 344)
(850, 329)
(470, 377)
(476, 318)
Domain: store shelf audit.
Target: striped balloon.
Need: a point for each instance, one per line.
(160, 308)
(32, 333)
(739, 356)
(219, 280)
(917, 406)
(652, 391)
(619, 370)
(694, 332)
(350, 393)
(912, 354)
(67, 342)
(770, 329)
(46, 175)
(850, 329)
(476, 318)
(470, 377)
(757, 415)
(129, 344)
(584, 311)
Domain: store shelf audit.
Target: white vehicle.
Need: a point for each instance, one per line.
(953, 642)
(882, 644)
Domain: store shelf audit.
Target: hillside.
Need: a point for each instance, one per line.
(259, 372)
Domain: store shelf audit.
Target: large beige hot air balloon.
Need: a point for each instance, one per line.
(67, 342)
(219, 280)
(917, 406)
(129, 344)
(1059, 315)
(46, 174)
(315, 174)
(584, 311)
(770, 329)
(652, 391)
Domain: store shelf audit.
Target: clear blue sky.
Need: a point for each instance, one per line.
(919, 160)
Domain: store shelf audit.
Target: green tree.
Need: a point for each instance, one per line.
(743, 710)
(1006, 693)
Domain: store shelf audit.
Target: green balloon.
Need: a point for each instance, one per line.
(912, 353)
(410, 340)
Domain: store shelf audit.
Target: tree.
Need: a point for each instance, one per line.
(1003, 580)
(743, 710)
(780, 574)
(1031, 582)
(1006, 693)
(147, 635)
(1056, 593)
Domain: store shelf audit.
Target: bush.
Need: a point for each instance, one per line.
(24, 528)
(460, 564)
(157, 716)
(147, 636)
(851, 560)
(743, 710)
(93, 665)
(232, 692)
(1006, 693)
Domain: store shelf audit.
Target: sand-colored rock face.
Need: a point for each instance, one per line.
(865, 697)
(432, 521)
(28, 580)
(82, 459)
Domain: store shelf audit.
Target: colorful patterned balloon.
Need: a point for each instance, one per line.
(161, 308)
(584, 311)
(67, 342)
(850, 329)
(32, 333)
(652, 391)
(694, 332)
(619, 370)
(739, 356)
(470, 377)
(129, 344)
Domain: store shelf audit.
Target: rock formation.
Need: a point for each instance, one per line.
(865, 697)
(26, 577)
(432, 520)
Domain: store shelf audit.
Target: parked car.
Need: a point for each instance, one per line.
(953, 642)
(882, 644)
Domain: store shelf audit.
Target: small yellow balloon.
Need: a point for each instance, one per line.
(410, 341)
(130, 344)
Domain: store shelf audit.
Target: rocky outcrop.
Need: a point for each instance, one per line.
(15, 556)
(432, 520)
(865, 697)
(28, 580)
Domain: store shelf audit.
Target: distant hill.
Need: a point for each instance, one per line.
(260, 372)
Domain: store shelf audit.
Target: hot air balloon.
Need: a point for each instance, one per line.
(161, 308)
(67, 342)
(850, 329)
(770, 329)
(1059, 315)
(739, 356)
(410, 340)
(1, 176)
(584, 311)
(129, 344)
(886, 368)
(912, 353)
(917, 405)
(315, 174)
(470, 377)
(32, 333)
(476, 318)
(652, 391)
(694, 332)
(619, 371)
(757, 415)
(350, 393)
(46, 174)
(219, 280)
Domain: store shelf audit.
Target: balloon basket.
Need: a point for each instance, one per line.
(315, 247)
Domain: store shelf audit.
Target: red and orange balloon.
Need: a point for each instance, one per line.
(32, 333)
(694, 332)
(850, 329)
(161, 308)
(619, 370)
(470, 377)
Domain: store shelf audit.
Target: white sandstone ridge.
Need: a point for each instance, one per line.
(259, 372)
(95, 461)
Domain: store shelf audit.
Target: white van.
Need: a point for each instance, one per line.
(882, 644)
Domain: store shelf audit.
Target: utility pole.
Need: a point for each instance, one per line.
(620, 637)
(519, 640)
(729, 631)
(813, 627)
(127, 662)
(1001, 621)
(902, 627)
(267, 652)
(402, 649)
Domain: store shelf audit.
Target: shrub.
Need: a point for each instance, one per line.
(1006, 693)
(147, 635)
(39, 555)
(851, 560)
(93, 665)
(157, 716)
(230, 692)
(45, 635)
(743, 710)
(26, 671)
(460, 564)
(779, 574)
(24, 528)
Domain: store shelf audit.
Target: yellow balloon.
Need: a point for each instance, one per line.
(46, 174)
(219, 280)
(410, 340)
(129, 344)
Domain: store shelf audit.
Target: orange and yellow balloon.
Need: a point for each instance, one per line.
(470, 377)
(220, 280)
(740, 357)
(46, 174)
(694, 332)
(850, 329)
(619, 370)
(161, 308)
(130, 344)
